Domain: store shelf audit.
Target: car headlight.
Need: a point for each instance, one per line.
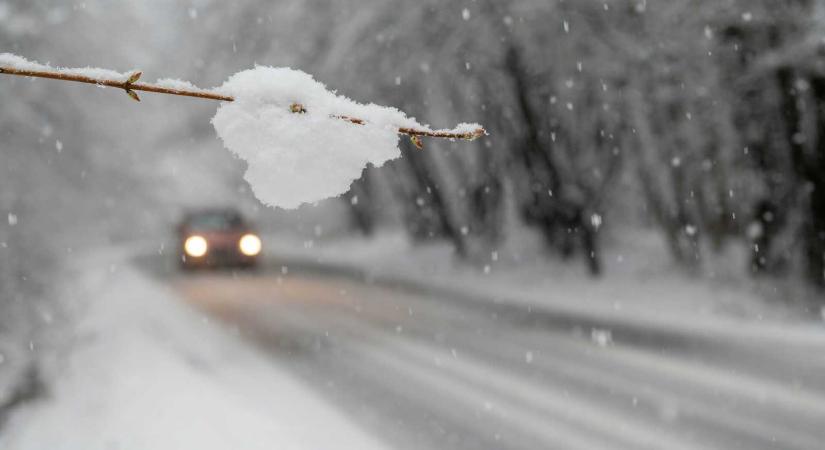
(250, 245)
(195, 246)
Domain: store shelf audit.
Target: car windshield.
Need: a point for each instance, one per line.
(215, 222)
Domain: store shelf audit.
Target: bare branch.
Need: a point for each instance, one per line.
(131, 85)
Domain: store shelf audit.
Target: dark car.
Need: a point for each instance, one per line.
(217, 238)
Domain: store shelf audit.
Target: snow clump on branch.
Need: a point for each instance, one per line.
(288, 127)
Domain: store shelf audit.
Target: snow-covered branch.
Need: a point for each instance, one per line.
(129, 82)
(129, 85)
(302, 142)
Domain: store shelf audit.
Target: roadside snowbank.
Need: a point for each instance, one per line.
(145, 372)
(640, 288)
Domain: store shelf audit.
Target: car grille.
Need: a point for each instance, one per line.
(224, 254)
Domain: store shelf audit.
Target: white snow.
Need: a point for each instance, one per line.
(146, 372)
(462, 128)
(302, 158)
(12, 61)
(296, 158)
(178, 85)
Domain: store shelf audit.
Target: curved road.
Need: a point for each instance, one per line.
(423, 371)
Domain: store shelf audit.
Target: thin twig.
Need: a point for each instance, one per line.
(132, 85)
(469, 136)
(126, 85)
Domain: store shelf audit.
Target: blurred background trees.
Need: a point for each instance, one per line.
(702, 120)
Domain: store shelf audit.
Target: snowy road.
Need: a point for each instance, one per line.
(418, 370)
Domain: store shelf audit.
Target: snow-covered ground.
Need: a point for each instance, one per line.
(141, 370)
(432, 354)
(641, 288)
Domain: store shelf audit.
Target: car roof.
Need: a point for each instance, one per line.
(213, 210)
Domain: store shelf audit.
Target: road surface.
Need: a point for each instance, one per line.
(421, 370)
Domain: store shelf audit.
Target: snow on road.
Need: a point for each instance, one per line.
(417, 368)
(425, 371)
(143, 371)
